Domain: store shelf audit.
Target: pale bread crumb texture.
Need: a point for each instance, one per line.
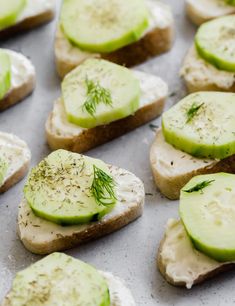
(156, 40)
(43, 237)
(62, 134)
(18, 156)
(173, 168)
(200, 75)
(23, 78)
(180, 263)
(36, 13)
(200, 11)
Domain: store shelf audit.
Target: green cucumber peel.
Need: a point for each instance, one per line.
(208, 214)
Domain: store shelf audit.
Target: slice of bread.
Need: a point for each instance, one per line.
(200, 11)
(64, 135)
(34, 14)
(172, 168)
(43, 237)
(180, 263)
(18, 155)
(200, 75)
(157, 39)
(22, 80)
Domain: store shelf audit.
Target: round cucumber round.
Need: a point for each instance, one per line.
(103, 25)
(9, 11)
(65, 189)
(5, 73)
(207, 209)
(202, 124)
(59, 279)
(214, 42)
(99, 92)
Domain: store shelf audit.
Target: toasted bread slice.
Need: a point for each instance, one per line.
(18, 155)
(35, 13)
(22, 80)
(172, 168)
(43, 237)
(157, 39)
(64, 135)
(200, 11)
(180, 263)
(200, 75)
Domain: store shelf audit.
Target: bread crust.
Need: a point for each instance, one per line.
(18, 93)
(99, 229)
(32, 229)
(28, 23)
(15, 178)
(170, 185)
(204, 82)
(90, 138)
(197, 18)
(157, 41)
(203, 277)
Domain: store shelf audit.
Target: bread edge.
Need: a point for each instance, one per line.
(18, 93)
(15, 177)
(91, 138)
(99, 229)
(28, 23)
(157, 41)
(203, 277)
(171, 186)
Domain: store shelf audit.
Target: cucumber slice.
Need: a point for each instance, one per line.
(103, 25)
(214, 42)
(59, 279)
(99, 92)
(209, 214)
(202, 124)
(10, 10)
(5, 73)
(65, 188)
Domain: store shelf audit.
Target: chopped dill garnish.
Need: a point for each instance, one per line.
(199, 186)
(193, 110)
(96, 94)
(102, 188)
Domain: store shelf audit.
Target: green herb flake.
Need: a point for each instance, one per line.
(102, 188)
(193, 111)
(96, 94)
(199, 186)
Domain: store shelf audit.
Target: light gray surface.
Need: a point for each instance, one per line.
(131, 252)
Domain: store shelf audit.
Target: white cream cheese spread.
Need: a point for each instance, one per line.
(120, 295)
(171, 162)
(15, 152)
(211, 8)
(183, 263)
(198, 72)
(160, 15)
(36, 7)
(22, 69)
(152, 89)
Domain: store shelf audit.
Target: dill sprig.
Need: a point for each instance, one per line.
(199, 186)
(102, 188)
(96, 94)
(193, 110)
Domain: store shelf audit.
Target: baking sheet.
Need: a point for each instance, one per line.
(131, 252)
